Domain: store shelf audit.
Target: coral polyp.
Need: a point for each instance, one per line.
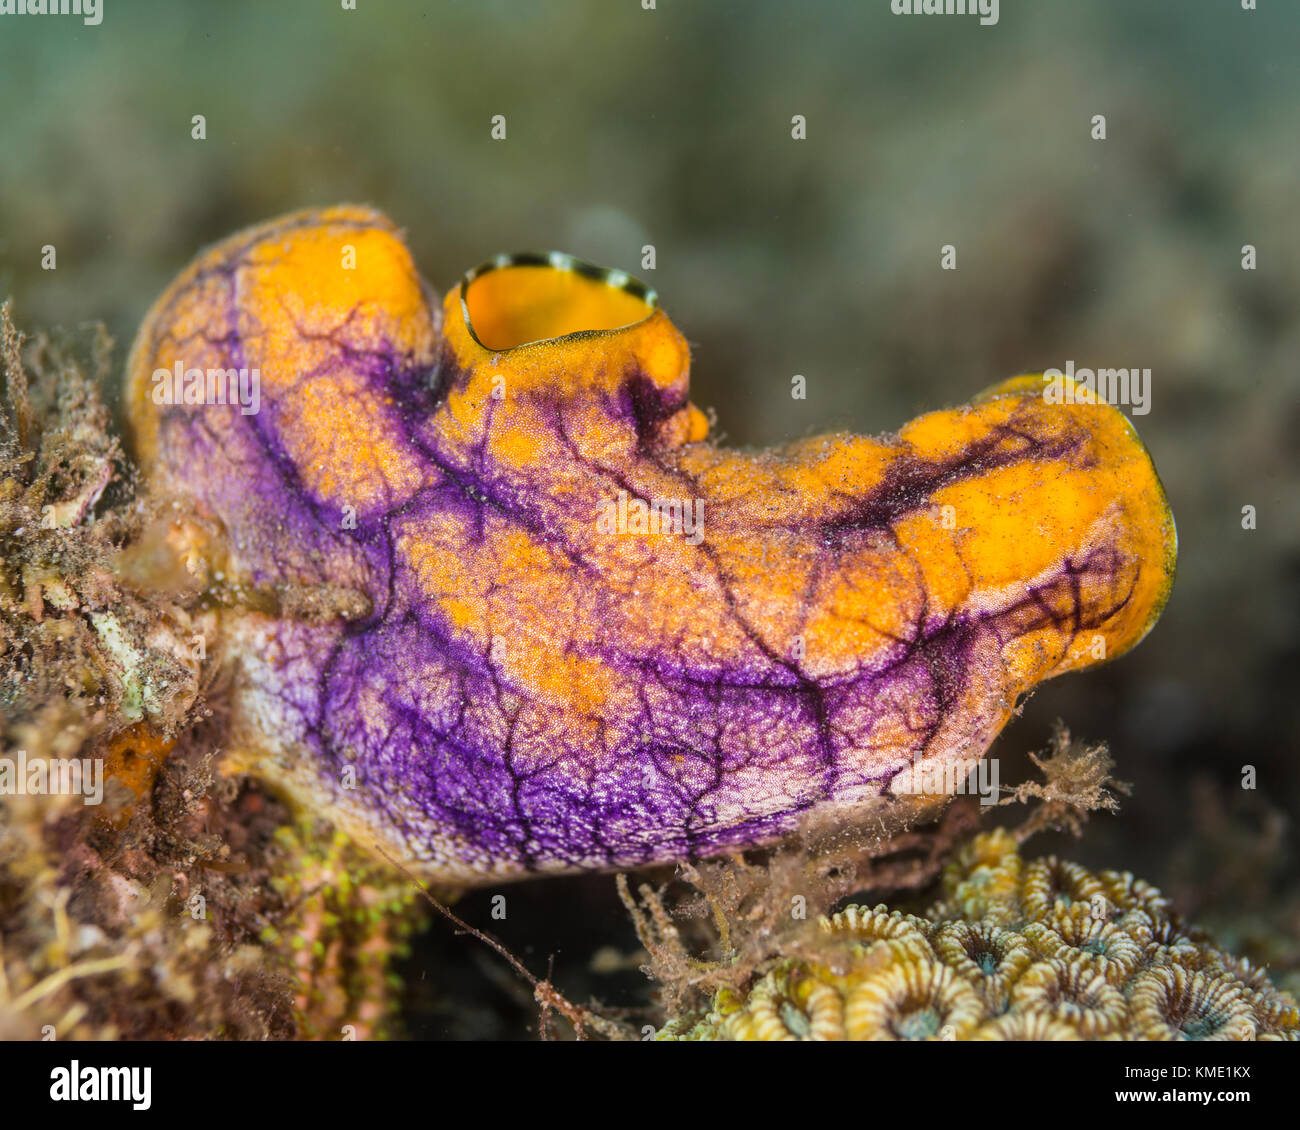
(1025, 963)
(910, 1000)
(1174, 1003)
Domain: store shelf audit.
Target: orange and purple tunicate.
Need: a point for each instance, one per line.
(588, 636)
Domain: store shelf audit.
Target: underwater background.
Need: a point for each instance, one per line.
(820, 257)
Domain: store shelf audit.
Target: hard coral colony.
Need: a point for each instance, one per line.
(511, 673)
(1013, 950)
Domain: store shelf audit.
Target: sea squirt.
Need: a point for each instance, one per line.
(586, 636)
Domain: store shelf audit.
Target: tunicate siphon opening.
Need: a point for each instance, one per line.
(519, 299)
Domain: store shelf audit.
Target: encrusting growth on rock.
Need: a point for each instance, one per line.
(159, 900)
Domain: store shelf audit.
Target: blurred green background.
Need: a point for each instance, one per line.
(820, 257)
